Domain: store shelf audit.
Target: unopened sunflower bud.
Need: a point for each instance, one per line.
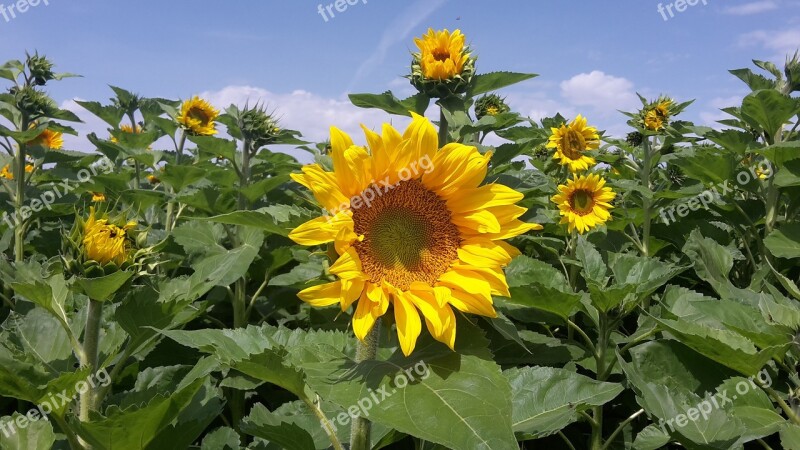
(490, 105)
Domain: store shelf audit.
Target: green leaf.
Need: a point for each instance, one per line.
(223, 438)
(276, 219)
(594, 268)
(768, 110)
(36, 435)
(562, 304)
(785, 242)
(547, 399)
(391, 104)
(457, 399)
(179, 177)
(266, 425)
(790, 437)
(51, 296)
(488, 82)
(651, 438)
(108, 114)
(135, 428)
(103, 288)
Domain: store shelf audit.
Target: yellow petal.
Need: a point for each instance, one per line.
(488, 196)
(456, 167)
(364, 317)
(408, 323)
(423, 137)
(322, 295)
(471, 304)
(324, 186)
(324, 229)
(483, 253)
(477, 221)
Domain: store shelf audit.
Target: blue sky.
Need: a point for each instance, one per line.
(592, 56)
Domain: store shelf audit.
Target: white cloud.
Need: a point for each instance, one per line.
(747, 9)
(605, 94)
(781, 42)
(710, 117)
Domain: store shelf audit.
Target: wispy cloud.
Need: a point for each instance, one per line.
(398, 31)
(747, 9)
(781, 42)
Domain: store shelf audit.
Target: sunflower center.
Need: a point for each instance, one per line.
(574, 144)
(582, 202)
(198, 114)
(441, 54)
(408, 236)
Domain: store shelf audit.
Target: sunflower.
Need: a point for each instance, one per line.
(658, 113)
(198, 116)
(653, 121)
(49, 139)
(426, 238)
(6, 173)
(126, 129)
(571, 140)
(442, 55)
(104, 242)
(584, 202)
(152, 179)
(98, 197)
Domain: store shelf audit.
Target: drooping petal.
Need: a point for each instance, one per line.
(408, 323)
(324, 229)
(322, 295)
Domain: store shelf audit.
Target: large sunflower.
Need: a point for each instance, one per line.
(425, 237)
(571, 140)
(442, 54)
(198, 117)
(584, 202)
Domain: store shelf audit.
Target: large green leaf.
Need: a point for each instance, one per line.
(546, 399)
(493, 81)
(768, 110)
(36, 435)
(785, 242)
(276, 219)
(266, 425)
(457, 399)
(135, 428)
(391, 104)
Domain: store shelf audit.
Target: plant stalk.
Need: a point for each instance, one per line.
(91, 355)
(361, 429)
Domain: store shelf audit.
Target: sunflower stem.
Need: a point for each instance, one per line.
(19, 201)
(646, 201)
(171, 219)
(600, 355)
(91, 355)
(361, 429)
(444, 132)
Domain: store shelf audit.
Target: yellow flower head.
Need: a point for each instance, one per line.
(49, 139)
(152, 179)
(98, 197)
(428, 238)
(653, 121)
(442, 55)
(126, 129)
(584, 202)
(571, 140)
(197, 116)
(6, 173)
(104, 242)
(657, 114)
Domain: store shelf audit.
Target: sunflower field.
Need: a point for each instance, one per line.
(191, 285)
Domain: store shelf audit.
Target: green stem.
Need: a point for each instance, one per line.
(326, 424)
(597, 411)
(621, 427)
(91, 355)
(444, 135)
(19, 201)
(72, 438)
(362, 428)
(171, 219)
(646, 202)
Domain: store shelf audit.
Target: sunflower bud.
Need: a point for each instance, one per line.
(490, 105)
(99, 246)
(259, 127)
(444, 65)
(792, 71)
(634, 139)
(33, 103)
(40, 68)
(656, 115)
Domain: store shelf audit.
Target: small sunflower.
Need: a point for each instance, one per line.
(442, 54)
(49, 139)
(432, 243)
(571, 140)
(6, 173)
(104, 242)
(584, 202)
(656, 115)
(126, 129)
(98, 197)
(198, 117)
